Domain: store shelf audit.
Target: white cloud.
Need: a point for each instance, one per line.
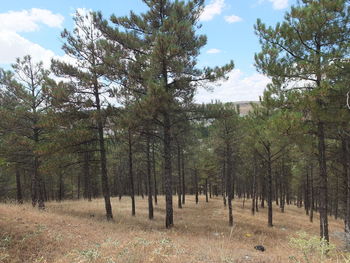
(232, 19)
(212, 9)
(239, 87)
(29, 20)
(213, 51)
(279, 4)
(14, 45)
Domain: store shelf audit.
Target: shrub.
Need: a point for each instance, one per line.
(312, 248)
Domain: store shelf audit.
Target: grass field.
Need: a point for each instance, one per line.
(76, 231)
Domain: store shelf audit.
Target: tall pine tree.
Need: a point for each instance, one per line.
(87, 83)
(302, 49)
(160, 48)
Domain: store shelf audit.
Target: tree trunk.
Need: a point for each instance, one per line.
(307, 193)
(138, 184)
(210, 190)
(121, 182)
(282, 188)
(72, 184)
(19, 187)
(206, 190)
(254, 185)
(154, 175)
(223, 183)
(149, 183)
(103, 160)
(169, 221)
(336, 197)
(79, 179)
(276, 188)
(229, 189)
(269, 186)
(323, 206)
(179, 176)
(52, 192)
(87, 176)
(60, 187)
(256, 203)
(38, 185)
(311, 214)
(346, 174)
(131, 175)
(37, 191)
(253, 197)
(287, 194)
(263, 190)
(46, 197)
(145, 183)
(183, 177)
(196, 184)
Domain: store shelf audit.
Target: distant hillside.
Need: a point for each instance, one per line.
(245, 106)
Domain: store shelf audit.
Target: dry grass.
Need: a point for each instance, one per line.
(76, 231)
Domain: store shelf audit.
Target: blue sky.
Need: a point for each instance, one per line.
(34, 26)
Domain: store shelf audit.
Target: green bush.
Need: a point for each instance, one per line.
(312, 248)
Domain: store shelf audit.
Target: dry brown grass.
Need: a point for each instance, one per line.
(76, 231)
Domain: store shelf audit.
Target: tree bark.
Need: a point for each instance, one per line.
(282, 187)
(223, 183)
(307, 193)
(149, 182)
(154, 175)
(229, 186)
(19, 187)
(269, 185)
(196, 184)
(87, 179)
(276, 188)
(37, 191)
(263, 190)
(311, 214)
(210, 190)
(336, 197)
(346, 174)
(323, 206)
(61, 187)
(183, 177)
(206, 190)
(179, 203)
(79, 181)
(254, 185)
(131, 174)
(103, 158)
(169, 221)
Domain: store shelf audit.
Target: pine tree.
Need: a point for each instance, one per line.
(225, 131)
(87, 83)
(25, 130)
(303, 48)
(159, 50)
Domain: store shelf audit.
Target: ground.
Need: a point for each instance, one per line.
(76, 231)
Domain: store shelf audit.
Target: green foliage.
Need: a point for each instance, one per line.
(90, 254)
(5, 241)
(311, 247)
(301, 53)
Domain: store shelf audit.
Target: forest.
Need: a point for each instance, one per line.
(117, 120)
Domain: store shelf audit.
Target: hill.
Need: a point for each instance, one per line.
(76, 231)
(245, 106)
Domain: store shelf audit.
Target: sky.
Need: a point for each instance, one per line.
(34, 26)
